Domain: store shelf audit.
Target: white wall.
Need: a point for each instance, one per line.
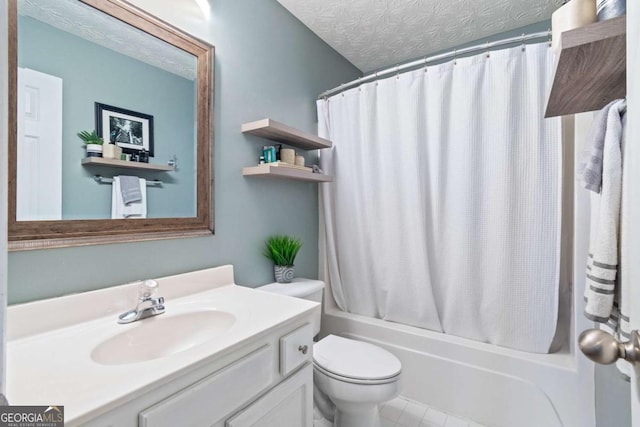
(3, 188)
(631, 194)
(581, 218)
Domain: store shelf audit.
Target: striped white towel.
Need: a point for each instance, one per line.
(603, 294)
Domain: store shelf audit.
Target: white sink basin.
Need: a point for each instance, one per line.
(161, 336)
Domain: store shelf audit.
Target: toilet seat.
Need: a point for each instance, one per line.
(357, 381)
(354, 361)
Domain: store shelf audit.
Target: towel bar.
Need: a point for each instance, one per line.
(102, 180)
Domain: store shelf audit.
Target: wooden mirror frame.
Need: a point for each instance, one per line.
(25, 235)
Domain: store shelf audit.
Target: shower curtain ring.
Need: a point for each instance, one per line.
(488, 53)
(376, 77)
(425, 64)
(549, 31)
(455, 59)
(523, 45)
(398, 71)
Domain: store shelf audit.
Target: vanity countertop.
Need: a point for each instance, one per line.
(50, 342)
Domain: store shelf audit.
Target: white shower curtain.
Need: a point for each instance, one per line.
(445, 208)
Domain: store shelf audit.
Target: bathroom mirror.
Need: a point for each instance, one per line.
(104, 65)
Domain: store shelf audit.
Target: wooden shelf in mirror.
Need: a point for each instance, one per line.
(267, 171)
(591, 68)
(114, 163)
(276, 131)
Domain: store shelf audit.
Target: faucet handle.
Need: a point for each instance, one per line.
(159, 304)
(148, 289)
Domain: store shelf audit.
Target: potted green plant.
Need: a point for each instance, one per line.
(282, 250)
(93, 143)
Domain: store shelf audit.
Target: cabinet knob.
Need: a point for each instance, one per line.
(304, 349)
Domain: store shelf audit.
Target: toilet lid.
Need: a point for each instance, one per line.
(355, 359)
(299, 287)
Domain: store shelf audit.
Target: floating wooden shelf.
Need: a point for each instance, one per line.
(113, 163)
(591, 69)
(279, 132)
(267, 171)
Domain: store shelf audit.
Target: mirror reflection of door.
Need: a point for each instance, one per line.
(39, 180)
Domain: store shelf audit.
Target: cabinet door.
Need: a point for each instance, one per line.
(290, 404)
(295, 349)
(213, 398)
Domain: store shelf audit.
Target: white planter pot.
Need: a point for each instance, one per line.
(94, 150)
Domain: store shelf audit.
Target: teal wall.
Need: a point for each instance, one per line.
(267, 65)
(92, 73)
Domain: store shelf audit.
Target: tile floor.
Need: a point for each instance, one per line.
(402, 412)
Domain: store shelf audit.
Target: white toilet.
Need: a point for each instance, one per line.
(356, 376)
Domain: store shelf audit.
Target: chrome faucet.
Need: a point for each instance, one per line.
(149, 303)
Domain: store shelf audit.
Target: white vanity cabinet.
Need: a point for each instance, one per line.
(184, 368)
(267, 383)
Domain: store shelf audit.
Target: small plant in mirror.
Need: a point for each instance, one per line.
(93, 143)
(91, 137)
(282, 250)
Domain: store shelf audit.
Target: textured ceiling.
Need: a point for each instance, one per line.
(373, 34)
(86, 22)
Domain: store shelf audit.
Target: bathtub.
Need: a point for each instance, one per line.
(488, 384)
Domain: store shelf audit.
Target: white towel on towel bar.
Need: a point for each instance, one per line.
(134, 209)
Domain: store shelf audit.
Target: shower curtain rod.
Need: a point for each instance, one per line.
(451, 54)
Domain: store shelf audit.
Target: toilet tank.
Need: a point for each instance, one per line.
(300, 288)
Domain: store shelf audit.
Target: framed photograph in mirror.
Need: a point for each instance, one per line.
(128, 129)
